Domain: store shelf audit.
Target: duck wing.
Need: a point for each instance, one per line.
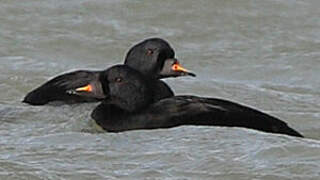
(189, 110)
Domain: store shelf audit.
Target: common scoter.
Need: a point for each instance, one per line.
(130, 106)
(153, 57)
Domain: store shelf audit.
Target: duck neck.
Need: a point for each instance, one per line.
(134, 101)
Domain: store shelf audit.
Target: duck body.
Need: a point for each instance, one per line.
(130, 106)
(188, 110)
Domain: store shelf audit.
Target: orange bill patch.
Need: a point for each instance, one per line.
(87, 88)
(178, 67)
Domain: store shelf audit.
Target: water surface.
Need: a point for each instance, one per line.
(264, 54)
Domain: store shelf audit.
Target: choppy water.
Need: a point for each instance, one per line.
(261, 53)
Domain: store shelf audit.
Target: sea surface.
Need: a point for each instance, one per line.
(264, 54)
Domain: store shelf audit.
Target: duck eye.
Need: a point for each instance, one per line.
(118, 79)
(149, 52)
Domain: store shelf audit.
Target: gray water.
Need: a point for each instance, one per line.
(264, 54)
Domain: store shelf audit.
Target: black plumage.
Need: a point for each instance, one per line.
(130, 106)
